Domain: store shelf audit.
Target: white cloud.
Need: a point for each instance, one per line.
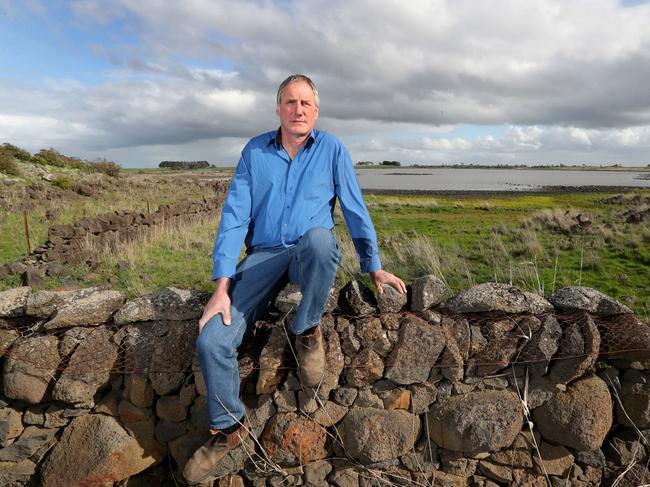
(565, 77)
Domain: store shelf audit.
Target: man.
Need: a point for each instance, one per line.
(280, 204)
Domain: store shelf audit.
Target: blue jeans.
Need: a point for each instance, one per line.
(260, 276)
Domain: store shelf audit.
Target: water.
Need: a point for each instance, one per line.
(448, 179)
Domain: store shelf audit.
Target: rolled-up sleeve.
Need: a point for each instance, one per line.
(356, 215)
(235, 219)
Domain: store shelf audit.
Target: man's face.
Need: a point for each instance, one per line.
(297, 109)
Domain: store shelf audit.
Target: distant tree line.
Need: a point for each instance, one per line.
(184, 164)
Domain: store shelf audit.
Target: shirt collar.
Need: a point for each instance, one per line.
(276, 140)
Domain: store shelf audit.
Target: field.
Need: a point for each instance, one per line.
(539, 242)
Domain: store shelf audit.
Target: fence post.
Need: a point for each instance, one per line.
(29, 247)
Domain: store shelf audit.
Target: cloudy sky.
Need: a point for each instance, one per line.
(420, 81)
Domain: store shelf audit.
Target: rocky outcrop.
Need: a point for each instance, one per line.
(96, 391)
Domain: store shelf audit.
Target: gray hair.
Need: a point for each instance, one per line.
(293, 79)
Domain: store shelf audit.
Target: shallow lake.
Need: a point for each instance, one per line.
(449, 179)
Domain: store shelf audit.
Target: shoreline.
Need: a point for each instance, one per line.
(544, 190)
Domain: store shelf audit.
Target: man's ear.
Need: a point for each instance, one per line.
(277, 110)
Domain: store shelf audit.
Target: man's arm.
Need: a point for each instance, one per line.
(235, 219)
(360, 226)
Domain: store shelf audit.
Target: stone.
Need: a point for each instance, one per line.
(478, 342)
(372, 435)
(138, 390)
(514, 457)
(13, 301)
(500, 473)
(172, 356)
(542, 346)
(272, 360)
(366, 367)
(43, 303)
(480, 421)
(11, 425)
(94, 309)
(451, 363)
(55, 417)
(579, 418)
(334, 360)
(427, 292)
(30, 367)
(345, 395)
(70, 340)
(624, 452)
(553, 460)
(350, 344)
(492, 296)
(288, 298)
(292, 440)
(422, 396)
(168, 304)
(16, 473)
(456, 463)
(89, 369)
(591, 458)
(390, 300)
(344, 477)
(444, 479)
(317, 471)
(329, 414)
(172, 408)
(579, 349)
(419, 345)
(368, 399)
(357, 299)
(33, 443)
(372, 335)
(33, 415)
(33, 278)
(7, 338)
(285, 401)
(397, 399)
(581, 298)
(166, 431)
(635, 410)
(423, 458)
(95, 448)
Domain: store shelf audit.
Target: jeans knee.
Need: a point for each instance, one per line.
(320, 243)
(214, 339)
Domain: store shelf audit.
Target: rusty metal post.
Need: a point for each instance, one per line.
(29, 247)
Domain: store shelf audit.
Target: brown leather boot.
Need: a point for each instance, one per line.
(311, 358)
(206, 459)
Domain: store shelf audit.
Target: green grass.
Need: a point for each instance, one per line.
(496, 238)
(465, 240)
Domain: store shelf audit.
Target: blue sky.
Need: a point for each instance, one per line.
(431, 81)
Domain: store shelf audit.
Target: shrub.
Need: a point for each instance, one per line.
(50, 157)
(63, 182)
(17, 152)
(7, 165)
(105, 166)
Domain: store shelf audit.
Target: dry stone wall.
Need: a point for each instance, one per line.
(77, 243)
(494, 386)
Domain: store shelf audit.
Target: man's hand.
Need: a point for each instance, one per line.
(219, 303)
(382, 277)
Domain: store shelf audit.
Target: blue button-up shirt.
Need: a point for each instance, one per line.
(273, 200)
